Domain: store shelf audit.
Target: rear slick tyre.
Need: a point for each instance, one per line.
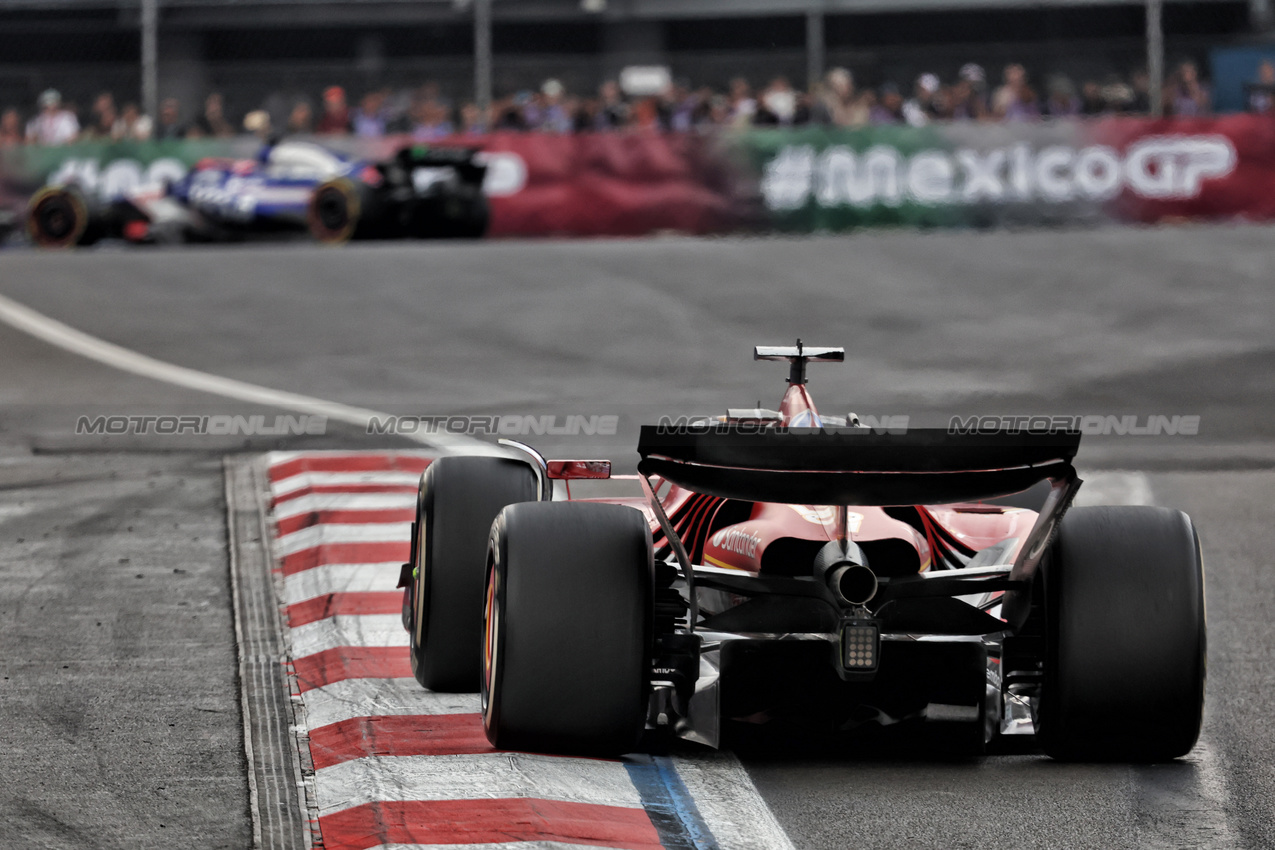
(334, 211)
(567, 648)
(456, 503)
(57, 218)
(1125, 636)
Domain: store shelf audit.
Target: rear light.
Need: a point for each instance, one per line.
(136, 230)
(860, 645)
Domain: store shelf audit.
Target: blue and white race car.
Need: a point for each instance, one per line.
(421, 192)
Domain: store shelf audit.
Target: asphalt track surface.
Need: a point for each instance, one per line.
(1124, 321)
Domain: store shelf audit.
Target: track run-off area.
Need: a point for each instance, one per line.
(129, 655)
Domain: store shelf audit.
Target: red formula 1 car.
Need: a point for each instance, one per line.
(786, 563)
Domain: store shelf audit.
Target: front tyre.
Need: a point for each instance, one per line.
(456, 503)
(1125, 646)
(567, 649)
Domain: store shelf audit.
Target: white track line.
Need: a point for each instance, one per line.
(351, 698)
(316, 502)
(340, 578)
(40, 326)
(483, 776)
(302, 480)
(326, 534)
(327, 456)
(732, 808)
(348, 630)
(283, 457)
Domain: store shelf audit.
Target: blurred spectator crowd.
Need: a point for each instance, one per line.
(426, 114)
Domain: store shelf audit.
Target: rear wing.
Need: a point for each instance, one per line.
(852, 466)
(798, 356)
(467, 162)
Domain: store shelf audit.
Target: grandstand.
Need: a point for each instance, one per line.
(263, 53)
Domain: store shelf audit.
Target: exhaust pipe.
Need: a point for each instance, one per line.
(853, 584)
(844, 568)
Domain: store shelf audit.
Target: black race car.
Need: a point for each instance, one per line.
(291, 187)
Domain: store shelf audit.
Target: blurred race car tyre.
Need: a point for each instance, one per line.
(469, 213)
(1125, 646)
(334, 211)
(57, 217)
(456, 503)
(568, 636)
(461, 212)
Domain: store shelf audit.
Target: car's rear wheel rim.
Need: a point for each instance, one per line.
(334, 212)
(491, 642)
(55, 221)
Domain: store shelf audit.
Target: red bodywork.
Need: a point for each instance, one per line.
(762, 537)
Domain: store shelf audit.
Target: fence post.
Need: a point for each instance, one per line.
(482, 56)
(814, 48)
(1155, 58)
(150, 58)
